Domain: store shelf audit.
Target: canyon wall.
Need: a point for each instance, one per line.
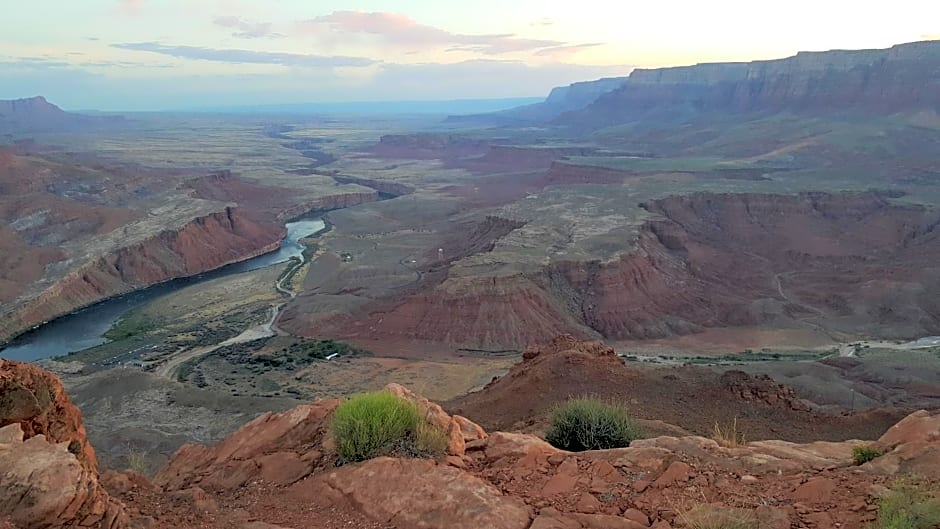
(902, 78)
(382, 186)
(852, 263)
(205, 243)
(328, 203)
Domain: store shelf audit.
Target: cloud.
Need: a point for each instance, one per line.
(47, 63)
(245, 29)
(561, 52)
(131, 7)
(33, 63)
(543, 22)
(247, 56)
(399, 30)
(80, 88)
(483, 78)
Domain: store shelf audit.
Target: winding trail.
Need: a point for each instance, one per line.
(170, 367)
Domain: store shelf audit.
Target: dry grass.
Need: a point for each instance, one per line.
(718, 517)
(729, 436)
(138, 461)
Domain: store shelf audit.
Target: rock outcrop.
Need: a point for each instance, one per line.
(278, 447)
(695, 398)
(48, 471)
(415, 493)
(279, 471)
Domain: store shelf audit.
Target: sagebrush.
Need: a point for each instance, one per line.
(909, 506)
(591, 424)
(380, 423)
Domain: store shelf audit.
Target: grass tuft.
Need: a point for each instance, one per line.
(590, 424)
(730, 436)
(380, 423)
(864, 454)
(139, 462)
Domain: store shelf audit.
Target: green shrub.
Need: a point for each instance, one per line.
(589, 424)
(379, 423)
(908, 506)
(864, 454)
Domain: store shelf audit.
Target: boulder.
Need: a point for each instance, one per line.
(43, 485)
(501, 445)
(913, 446)
(413, 493)
(278, 447)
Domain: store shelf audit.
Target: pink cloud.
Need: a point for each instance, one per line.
(563, 52)
(131, 7)
(399, 30)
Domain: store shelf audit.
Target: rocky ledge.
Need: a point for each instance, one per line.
(48, 471)
(280, 471)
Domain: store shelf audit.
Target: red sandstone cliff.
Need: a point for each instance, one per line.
(206, 243)
(886, 81)
(848, 262)
(737, 259)
(48, 471)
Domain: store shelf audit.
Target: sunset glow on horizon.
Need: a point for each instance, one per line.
(154, 54)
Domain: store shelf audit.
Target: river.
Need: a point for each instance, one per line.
(85, 328)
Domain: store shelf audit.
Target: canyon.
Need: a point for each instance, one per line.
(751, 244)
(95, 240)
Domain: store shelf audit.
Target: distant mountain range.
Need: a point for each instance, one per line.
(443, 107)
(35, 114)
(902, 78)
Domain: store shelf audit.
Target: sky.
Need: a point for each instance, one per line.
(171, 54)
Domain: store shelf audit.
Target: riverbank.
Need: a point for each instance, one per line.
(85, 328)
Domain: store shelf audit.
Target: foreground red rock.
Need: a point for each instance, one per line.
(48, 471)
(280, 471)
(510, 480)
(420, 493)
(277, 447)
